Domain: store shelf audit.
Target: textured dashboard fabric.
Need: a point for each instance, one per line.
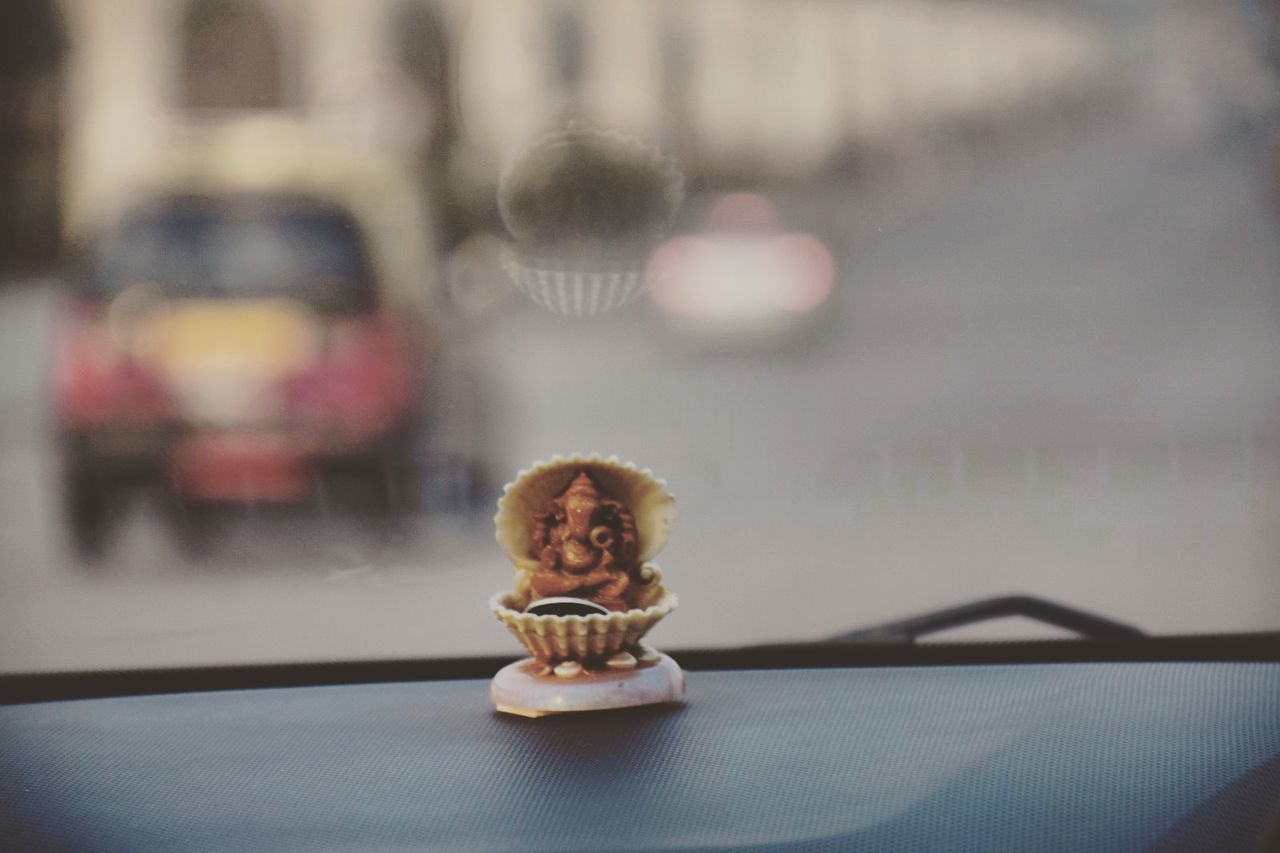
(1087, 757)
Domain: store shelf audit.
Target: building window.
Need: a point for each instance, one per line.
(677, 70)
(32, 49)
(231, 57)
(422, 42)
(568, 49)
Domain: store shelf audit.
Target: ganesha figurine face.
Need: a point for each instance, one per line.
(584, 529)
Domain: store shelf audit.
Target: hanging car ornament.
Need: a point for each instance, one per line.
(585, 207)
(581, 532)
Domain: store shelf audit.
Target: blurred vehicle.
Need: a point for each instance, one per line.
(236, 348)
(741, 282)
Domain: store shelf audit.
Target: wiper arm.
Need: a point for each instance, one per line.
(1088, 625)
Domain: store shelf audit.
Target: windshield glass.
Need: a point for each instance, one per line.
(314, 256)
(909, 303)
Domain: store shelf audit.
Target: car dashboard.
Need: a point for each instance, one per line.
(1010, 747)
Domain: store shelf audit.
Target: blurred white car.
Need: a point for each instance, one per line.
(742, 281)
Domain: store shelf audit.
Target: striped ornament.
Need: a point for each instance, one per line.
(575, 292)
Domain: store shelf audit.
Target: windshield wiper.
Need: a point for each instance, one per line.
(1088, 625)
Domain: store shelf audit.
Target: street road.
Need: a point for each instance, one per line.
(1056, 376)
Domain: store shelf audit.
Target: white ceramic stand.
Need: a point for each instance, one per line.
(527, 689)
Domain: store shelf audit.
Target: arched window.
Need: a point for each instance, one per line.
(231, 57)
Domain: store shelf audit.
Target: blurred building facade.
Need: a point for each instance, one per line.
(441, 90)
(247, 95)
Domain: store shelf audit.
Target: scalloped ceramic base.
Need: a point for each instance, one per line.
(518, 688)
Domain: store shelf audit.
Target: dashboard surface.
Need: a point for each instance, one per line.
(1082, 756)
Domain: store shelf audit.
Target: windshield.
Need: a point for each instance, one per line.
(909, 303)
(313, 256)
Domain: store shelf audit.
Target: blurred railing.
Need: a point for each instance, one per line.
(1244, 463)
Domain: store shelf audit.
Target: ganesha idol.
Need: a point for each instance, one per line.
(581, 532)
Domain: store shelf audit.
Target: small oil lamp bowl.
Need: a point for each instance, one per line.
(586, 647)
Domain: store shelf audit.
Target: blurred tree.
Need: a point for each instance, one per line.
(32, 48)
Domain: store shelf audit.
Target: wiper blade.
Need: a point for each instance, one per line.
(1082, 622)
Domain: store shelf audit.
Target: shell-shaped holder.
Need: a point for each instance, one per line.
(590, 640)
(536, 486)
